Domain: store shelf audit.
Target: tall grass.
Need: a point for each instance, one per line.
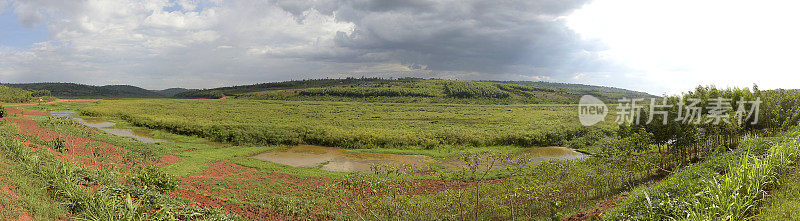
(359, 125)
(729, 186)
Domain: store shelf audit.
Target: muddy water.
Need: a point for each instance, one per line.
(140, 135)
(549, 153)
(535, 155)
(336, 159)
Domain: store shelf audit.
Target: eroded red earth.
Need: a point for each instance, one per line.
(197, 188)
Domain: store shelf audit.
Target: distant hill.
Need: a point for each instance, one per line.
(82, 90)
(416, 90)
(172, 91)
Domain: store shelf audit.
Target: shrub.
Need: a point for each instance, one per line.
(470, 89)
(154, 178)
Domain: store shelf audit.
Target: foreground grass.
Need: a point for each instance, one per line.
(783, 203)
(25, 195)
(729, 186)
(52, 188)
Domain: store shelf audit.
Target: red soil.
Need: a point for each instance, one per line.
(250, 212)
(192, 187)
(7, 195)
(25, 112)
(77, 146)
(166, 160)
(596, 212)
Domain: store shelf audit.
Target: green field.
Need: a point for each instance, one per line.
(673, 171)
(358, 124)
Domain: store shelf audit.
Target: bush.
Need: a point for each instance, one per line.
(731, 185)
(40, 93)
(201, 94)
(471, 89)
(154, 178)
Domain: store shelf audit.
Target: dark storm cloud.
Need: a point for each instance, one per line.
(476, 36)
(209, 43)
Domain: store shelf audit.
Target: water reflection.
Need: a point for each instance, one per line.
(140, 135)
(337, 159)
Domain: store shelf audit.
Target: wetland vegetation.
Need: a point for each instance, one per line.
(251, 157)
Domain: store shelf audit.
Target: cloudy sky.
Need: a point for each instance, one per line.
(653, 46)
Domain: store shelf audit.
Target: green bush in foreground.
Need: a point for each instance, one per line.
(730, 186)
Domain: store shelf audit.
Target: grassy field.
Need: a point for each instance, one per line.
(308, 192)
(701, 171)
(358, 125)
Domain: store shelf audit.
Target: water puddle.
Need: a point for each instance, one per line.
(550, 153)
(534, 155)
(336, 159)
(140, 135)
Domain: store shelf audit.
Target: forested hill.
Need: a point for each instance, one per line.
(82, 90)
(416, 90)
(603, 91)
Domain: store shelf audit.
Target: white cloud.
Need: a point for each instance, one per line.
(674, 46)
(131, 41)
(205, 43)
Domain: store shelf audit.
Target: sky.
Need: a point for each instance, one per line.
(659, 47)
